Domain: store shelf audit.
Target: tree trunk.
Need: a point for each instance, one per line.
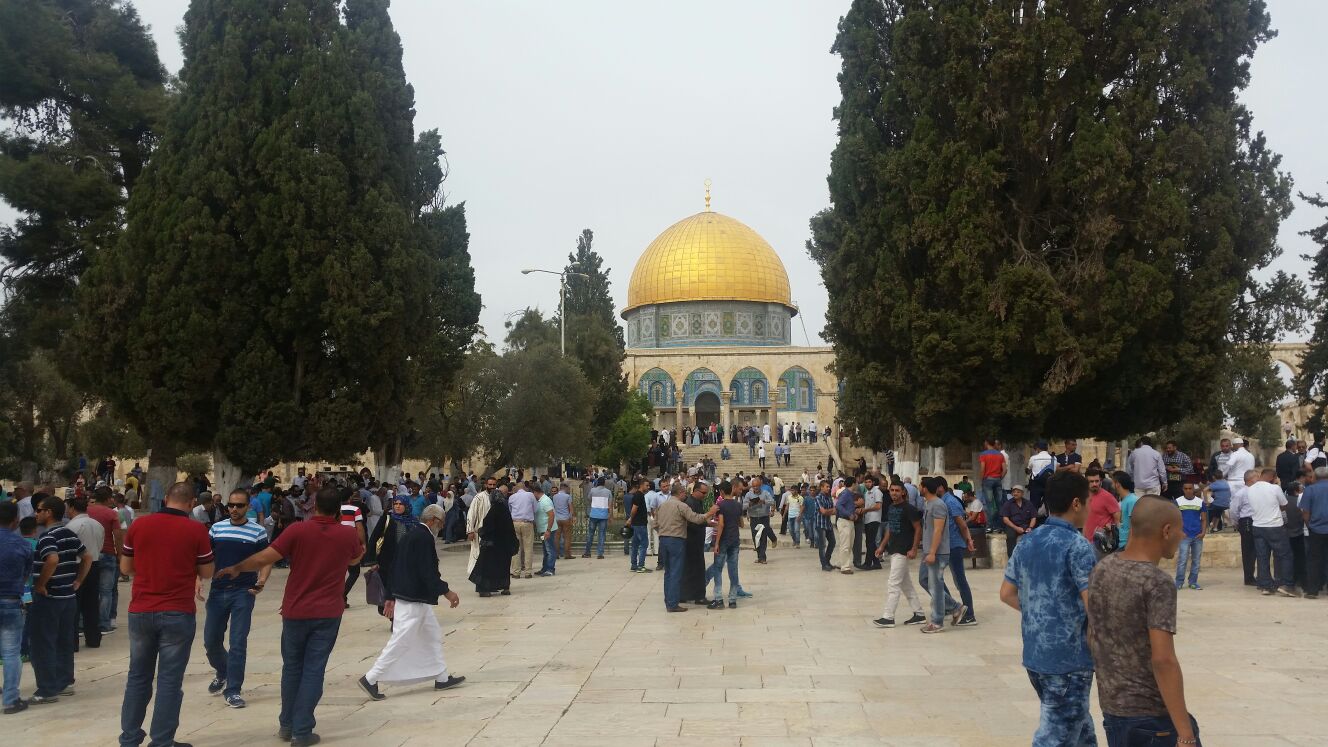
(226, 475)
(161, 474)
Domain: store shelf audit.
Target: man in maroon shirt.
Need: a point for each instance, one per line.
(319, 551)
(168, 554)
(108, 567)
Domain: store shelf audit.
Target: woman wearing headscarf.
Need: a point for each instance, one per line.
(498, 543)
(454, 524)
(382, 545)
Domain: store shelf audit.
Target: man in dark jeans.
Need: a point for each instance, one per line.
(166, 552)
(231, 602)
(824, 506)
(59, 567)
(757, 504)
(319, 551)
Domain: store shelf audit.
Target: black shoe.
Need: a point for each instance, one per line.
(43, 699)
(505, 593)
(283, 733)
(827, 568)
(17, 707)
(883, 622)
(450, 683)
(585, 556)
(485, 594)
(718, 604)
(733, 605)
(302, 741)
(915, 620)
(370, 688)
(678, 608)
(216, 686)
(967, 621)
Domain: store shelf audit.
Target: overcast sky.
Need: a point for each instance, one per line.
(609, 115)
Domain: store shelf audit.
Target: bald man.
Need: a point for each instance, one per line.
(1131, 627)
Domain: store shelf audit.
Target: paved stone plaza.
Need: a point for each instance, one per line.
(591, 658)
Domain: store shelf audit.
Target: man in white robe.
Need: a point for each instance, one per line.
(479, 508)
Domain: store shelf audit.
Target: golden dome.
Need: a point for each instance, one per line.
(708, 257)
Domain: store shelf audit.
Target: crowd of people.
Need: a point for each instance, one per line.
(1083, 541)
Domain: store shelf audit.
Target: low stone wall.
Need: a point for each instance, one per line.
(1221, 550)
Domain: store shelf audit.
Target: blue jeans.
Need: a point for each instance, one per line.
(809, 529)
(960, 579)
(306, 645)
(1273, 541)
(1190, 550)
(671, 555)
(596, 525)
(54, 634)
(108, 592)
(11, 637)
(236, 607)
(932, 578)
(827, 546)
(159, 644)
(1142, 731)
(727, 555)
(550, 553)
(1065, 720)
(793, 530)
(640, 543)
(992, 497)
(924, 580)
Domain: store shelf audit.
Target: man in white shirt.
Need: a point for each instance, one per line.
(653, 498)
(1040, 466)
(1239, 515)
(871, 525)
(1145, 465)
(1267, 504)
(1240, 461)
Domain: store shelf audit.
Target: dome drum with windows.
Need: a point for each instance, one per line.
(708, 280)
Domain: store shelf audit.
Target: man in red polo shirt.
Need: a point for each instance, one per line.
(319, 552)
(108, 567)
(168, 554)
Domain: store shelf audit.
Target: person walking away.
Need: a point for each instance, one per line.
(1047, 581)
(168, 554)
(726, 544)
(674, 518)
(1295, 527)
(1190, 544)
(653, 499)
(414, 652)
(993, 468)
(936, 549)
(1145, 465)
(760, 455)
(1241, 515)
(102, 510)
(1123, 487)
(756, 503)
(793, 512)
(546, 528)
(1314, 510)
(15, 568)
(60, 566)
(1041, 466)
(1271, 548)
(91, 534)
(903, 535)
(352, 515)
(319, 551)
(598, 514)
(1018, 518)
(522, 505)
(1287, 465)
(1131, 632)
(230, 602)
(1219, 500)
(847, 504)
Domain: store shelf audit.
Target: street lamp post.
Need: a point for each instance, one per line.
(562, 299)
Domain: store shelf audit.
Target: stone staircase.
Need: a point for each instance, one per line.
(805, 457)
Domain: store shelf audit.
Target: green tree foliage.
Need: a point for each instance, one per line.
(456, 419)
(630, 435)
(106, 433)
(1311, 382)
(283, 241)
(594, 337)
(544, 415)
(1045, 216)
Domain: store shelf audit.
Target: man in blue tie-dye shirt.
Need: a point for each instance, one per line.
(1047, 581)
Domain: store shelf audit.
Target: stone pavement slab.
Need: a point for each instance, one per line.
(589, 657)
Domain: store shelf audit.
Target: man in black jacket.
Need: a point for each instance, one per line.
(414, 653)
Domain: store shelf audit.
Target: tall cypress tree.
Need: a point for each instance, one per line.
(594, 337)
(1311, 383)
(1044, 215)
(276, 240)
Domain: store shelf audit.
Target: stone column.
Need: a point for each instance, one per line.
(691, 416)
(724, 398)
(677, 413)
(908, 455)
(781, 398)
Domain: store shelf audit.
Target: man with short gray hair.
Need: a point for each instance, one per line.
(1240, 514)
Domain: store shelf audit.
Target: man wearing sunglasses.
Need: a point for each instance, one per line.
(231, 600)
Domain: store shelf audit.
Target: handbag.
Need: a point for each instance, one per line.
(374, 593)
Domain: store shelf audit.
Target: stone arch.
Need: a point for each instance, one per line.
(800, 389)
(750, 387)
(658, 387)
(700, 380)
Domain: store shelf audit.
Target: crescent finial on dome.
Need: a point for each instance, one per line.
(707, 186)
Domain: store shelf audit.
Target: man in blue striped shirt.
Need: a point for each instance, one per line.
(58, 568)
(231, 600)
